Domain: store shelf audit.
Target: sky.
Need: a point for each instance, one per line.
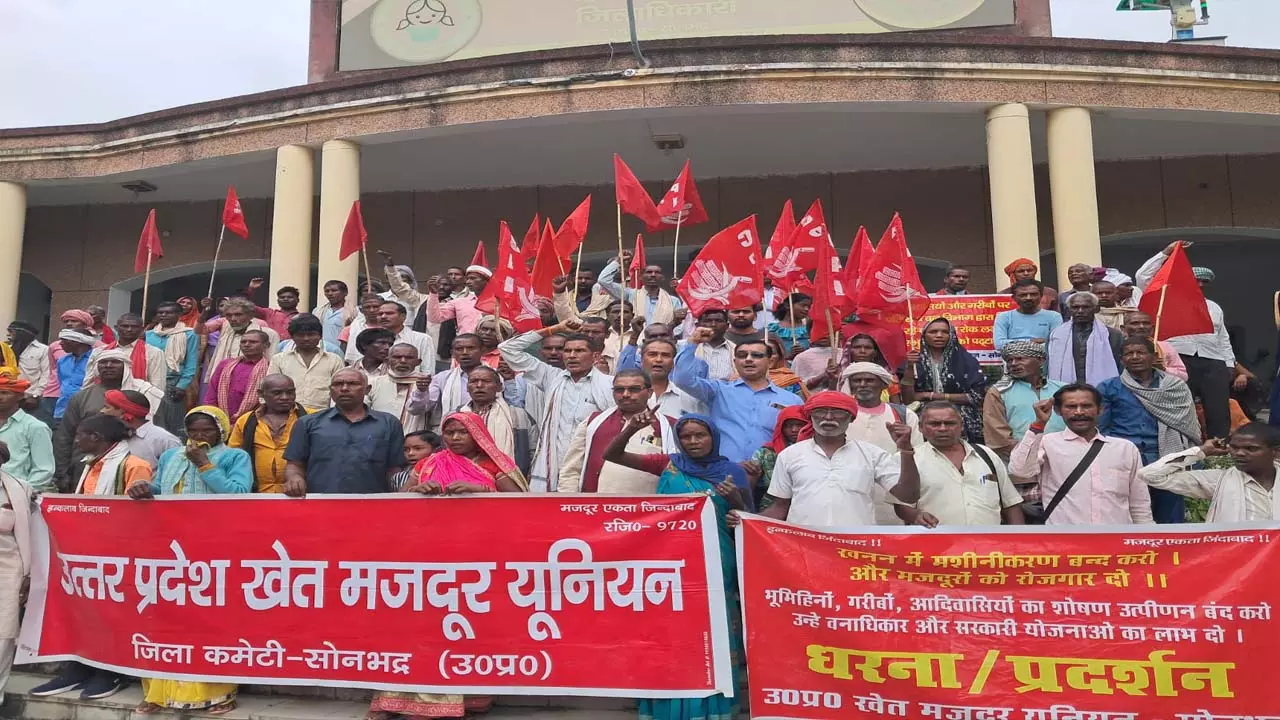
(85, 61)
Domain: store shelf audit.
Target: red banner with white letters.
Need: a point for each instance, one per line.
(493, 594)
(1107, 624)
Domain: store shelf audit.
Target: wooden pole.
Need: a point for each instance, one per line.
(146, 286)
(911, 319)
(831, 329)
(675, 251)
(216, 252)
(368, 279)
(626, 272)
(1159, 313)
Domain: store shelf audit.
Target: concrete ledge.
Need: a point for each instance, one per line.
(267, 703)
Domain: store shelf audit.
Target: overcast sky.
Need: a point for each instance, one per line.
(80, 61)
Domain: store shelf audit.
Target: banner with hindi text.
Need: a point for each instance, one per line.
(1095, 624)
(493, 594)
(973, 317)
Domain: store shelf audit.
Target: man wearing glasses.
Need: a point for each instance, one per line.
(585, 469)
(746, 409)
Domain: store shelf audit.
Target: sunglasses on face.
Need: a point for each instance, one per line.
(743, 355)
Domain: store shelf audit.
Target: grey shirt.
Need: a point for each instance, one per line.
(346, 457)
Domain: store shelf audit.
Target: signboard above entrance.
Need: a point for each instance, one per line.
(399, 33)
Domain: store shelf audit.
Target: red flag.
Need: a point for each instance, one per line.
(632, 197)
(727, 272)
(529, 248)
(855, 268)
(354, 236)
(1175, 301)
(232, 215)
(830, 292)
(799, 255)
(148, 244)
(781, 232)
(548, 266)
(638, 262)
(509, 293)
(479, 257)
(574, 229)
(682, 203)
(892, 291)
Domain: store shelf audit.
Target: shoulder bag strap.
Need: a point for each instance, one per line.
(994, 475)
(1075, 475)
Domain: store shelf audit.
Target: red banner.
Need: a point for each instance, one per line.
(510, 595)
(974, 318)
(1112, 624)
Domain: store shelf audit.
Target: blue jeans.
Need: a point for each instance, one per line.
(1167, 508)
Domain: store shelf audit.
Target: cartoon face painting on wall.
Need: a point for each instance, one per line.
(424, 30)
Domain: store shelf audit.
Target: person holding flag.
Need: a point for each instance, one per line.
(651, 301)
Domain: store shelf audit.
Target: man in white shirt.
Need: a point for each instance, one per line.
(960, 483)
(1209, 358)
(867, 382)
(716, 352)
(129, 332)
(657, 358)
(586, 470)
(402, 391)
(33, 361)
(570, 394)
(1244, 493)
(392, 316)
(825, 482)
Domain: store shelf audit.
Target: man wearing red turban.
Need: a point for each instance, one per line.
(825, 480)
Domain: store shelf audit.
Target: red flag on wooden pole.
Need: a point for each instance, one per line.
(632, 197)
(509, 293)
(233, 215)
(479, 257)
(832, 297)
(1175, 301)
(638, 262)
(529, 248)
(892, 292)
(354, 236)
(148, 244)
(548, 265)
(573, 231)
(682, 205)
(727, 272)
(855, 268)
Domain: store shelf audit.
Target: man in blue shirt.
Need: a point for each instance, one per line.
(745, 409)
(1027, 321)
(1153, 410)
(347, 448)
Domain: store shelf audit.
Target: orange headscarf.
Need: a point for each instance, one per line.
(11, 381)
(1013, 266)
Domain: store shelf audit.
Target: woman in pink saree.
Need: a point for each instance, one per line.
(470, 462)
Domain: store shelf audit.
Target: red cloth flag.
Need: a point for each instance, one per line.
(148, 244)
(728, 272)
(682, 204)
(479, 257)
(529, 248)
(892, 291)
(509, 294)
(574, 229)
(830, 291)
(632, 197)
(855, 268)
(232, 215)
(354, 236)
(799, 255)
(548, 266)
(781, 232)
(1175, 301)
(638, 262)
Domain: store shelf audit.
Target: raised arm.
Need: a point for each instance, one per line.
(403, 291)
(690, 371)
(616, 451)
(1172, 472)
(1026, 459)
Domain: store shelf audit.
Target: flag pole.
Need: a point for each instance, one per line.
(364, 255)
(911, 318)
(626, 272)
(1159, 314)
(146, 286)
(675, 251)
(216, 252)
(831, 330)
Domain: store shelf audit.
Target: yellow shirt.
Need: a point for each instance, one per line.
(311, 381)
(267, 451)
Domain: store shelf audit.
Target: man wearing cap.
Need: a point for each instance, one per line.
(148, 362)
(1209, 357)
(825, 481)
(874, 421)
(146, 439)
(33, 361)
(114, 373)
(403, 284)
(30, 441)
(81, 322)
(70, 368)
(462, 309)
(1009, 407)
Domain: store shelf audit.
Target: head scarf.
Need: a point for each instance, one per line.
(504, 326)
(132, 412)
(1013, 266)
(447, 467)
(78, 315)
(1204, 274)
(115, 354)
(867, 369)
(791, 412)
(960, 373)
(23, 335)
(480, 269)
(1024, 348)
(9, 380)
(83, 338)
(217, 415)
(713, 468)
(190, 319)
(831, 399)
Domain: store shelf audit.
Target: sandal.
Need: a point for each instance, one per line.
(222, 708)
(147, 708)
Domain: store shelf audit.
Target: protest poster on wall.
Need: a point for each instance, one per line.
(1112, 624)
(973, 317)
(495, 594)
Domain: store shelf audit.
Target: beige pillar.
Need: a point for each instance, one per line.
(13, 218)
(1075, 194)
(1013, 186)
(291, 222)
(339, 187)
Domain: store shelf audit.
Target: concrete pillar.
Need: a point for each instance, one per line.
(1013, 188)
(291, 222)
(13, 218)
(1075, 194)
(339, 187)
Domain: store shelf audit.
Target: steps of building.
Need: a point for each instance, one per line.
(286, 703)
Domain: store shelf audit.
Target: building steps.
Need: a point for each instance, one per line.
(286, 703)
